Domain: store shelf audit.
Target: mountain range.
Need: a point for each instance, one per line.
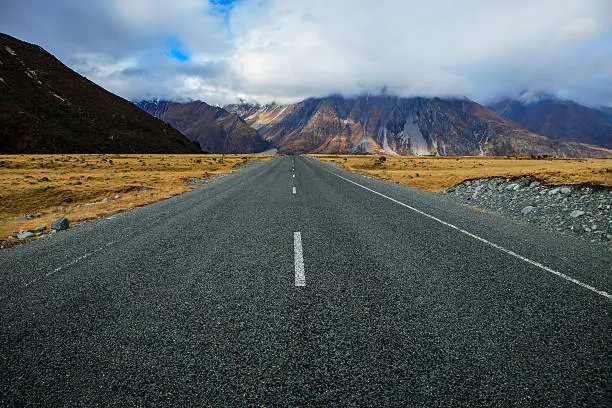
(213, 128)
(406, 126)
(45, 107)
(559, 119)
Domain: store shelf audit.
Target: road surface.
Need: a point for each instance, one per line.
(293, 283)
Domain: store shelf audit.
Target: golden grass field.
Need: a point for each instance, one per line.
(74, 186)
(439, 173)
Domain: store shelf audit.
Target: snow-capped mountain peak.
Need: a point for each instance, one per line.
(531, 97)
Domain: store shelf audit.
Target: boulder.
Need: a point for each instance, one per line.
(60, 224)
(24, 235)
(576, 213)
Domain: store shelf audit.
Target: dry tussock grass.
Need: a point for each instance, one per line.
(439, 173)
(51, 186)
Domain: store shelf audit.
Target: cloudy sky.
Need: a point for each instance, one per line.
(221, 51)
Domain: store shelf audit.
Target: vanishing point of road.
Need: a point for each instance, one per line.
(292, 283)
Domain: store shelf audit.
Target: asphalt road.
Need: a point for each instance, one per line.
(388, 296)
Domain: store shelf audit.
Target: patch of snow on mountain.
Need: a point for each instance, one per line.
(531, 97)
(9, 50)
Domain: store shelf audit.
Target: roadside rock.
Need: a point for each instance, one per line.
(24, 235)
(26, 217)
(60, 224)
(581, 212)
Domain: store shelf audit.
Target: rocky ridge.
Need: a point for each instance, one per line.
(385, 124)
(582, 212)
(213, 128)
(45, 107)
(558, 119)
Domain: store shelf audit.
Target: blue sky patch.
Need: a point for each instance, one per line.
(176, 49)
(222, 2)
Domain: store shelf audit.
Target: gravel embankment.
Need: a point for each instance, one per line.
(581, 212)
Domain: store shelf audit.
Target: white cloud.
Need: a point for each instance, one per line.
(285, 50)
(580, 29)
(423, 48)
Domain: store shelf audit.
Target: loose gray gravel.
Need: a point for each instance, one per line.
(581, 212)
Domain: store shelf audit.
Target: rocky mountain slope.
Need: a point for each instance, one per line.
(558, 119)
(394, 125)
(607, 110)
(45, 107)
(213, 128)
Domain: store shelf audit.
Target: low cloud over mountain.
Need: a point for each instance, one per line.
(285, 50)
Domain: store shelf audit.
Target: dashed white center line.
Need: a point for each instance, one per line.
(294, 190)
(300, 277)
(293, 175)
(494, 245)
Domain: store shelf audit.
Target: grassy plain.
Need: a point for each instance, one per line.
(83, 187)
(439, 173)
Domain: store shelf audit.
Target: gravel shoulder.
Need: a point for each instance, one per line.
(580, 212)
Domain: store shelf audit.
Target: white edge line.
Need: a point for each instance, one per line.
(300, 278)
(509, 252)
(59, 268)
